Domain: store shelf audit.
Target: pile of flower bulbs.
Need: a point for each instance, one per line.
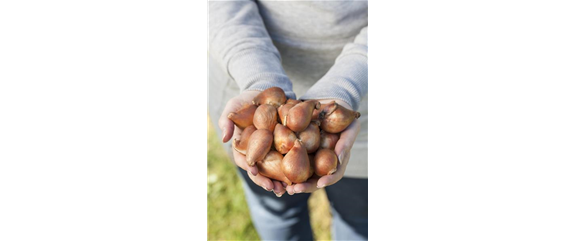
(290, 140)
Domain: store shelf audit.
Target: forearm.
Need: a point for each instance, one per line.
(240, 43)
(347, 80)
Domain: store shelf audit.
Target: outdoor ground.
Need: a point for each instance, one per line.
(227, 212)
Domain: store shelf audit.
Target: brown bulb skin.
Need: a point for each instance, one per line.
(311, 137)
(300, 115)
(270, 167)
(283, 139)
(259, 145)
(241, 144)
(293, 101)
(243, 117)
(335, 118)
(273, 96)
(295, 164)
(311, 166)
(328, 140)
(283, 110)
(325, 162)
(265, 117)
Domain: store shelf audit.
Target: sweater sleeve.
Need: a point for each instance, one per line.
(347, 80)
(238, 40)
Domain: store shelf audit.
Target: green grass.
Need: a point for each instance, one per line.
(228, 215)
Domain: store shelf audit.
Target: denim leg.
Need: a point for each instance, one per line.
(284, 218)
(349, 207)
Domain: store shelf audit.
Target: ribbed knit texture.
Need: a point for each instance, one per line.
(239, 39)
(252, 71)
(347, 80)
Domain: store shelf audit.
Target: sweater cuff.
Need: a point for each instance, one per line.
(346, 81)
(259, 69)
(334, 90)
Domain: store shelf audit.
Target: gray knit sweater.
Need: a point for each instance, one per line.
(311, 49)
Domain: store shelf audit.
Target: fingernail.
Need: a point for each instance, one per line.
(290, 193)
(284, 184)
(320, 186)
(224, 135)
(253, 173)
(298, 191)
(265, 188)
(278, 195)
(341, 157)
(271, 189)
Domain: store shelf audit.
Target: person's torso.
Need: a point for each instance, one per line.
(311, 34)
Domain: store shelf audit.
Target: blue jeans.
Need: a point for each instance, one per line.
(287, 217)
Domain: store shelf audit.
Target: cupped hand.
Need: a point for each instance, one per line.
(342, 149)
(229, 131)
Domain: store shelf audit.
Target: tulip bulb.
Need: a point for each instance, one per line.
(241, 144)
(299, 116)
(295, 164)
(273, 96)
(293, 101)
(270, 167)
(311, 165)
(259, 145)
(335, 118)
(283, 110)
(243, 117)
(265, 117)
(316, 114)
(283, 139)
(328, 140)
(325, 162)
(311, 137)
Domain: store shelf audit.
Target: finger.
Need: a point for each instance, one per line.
(262, 181)
(343, 151)
(307, 186)
(290, 190)
(253, 170)
(346, 140)
(348, 136)
(225, 124)
(328, 180)
(240, 161)
(278, 189)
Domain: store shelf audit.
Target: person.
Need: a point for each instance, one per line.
(310, 49)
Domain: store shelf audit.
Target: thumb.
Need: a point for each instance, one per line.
(225, 124)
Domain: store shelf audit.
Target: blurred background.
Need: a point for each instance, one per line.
(228, 215)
